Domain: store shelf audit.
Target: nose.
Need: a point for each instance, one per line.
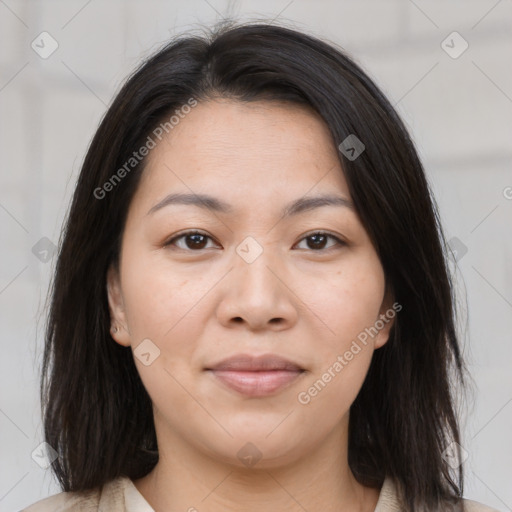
(258, 295)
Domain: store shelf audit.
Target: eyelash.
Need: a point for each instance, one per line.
(170, 242)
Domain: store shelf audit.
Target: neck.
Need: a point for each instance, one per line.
(186, 478)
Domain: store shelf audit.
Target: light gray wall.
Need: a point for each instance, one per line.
(459, 111)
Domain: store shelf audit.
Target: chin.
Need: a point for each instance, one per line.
(256, 448)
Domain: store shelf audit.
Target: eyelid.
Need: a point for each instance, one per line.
(186, 233)
(339, 241)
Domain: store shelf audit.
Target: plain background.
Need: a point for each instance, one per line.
(457, 107)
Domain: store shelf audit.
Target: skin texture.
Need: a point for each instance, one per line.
(303, 301)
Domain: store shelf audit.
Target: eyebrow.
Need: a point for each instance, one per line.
(208, 202)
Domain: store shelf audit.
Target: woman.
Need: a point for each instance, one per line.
(251, 307)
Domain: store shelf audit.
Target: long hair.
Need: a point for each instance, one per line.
(97, 413)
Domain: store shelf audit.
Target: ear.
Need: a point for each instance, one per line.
(386, 318)
(119, 327)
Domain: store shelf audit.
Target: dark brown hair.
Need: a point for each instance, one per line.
(98, 415)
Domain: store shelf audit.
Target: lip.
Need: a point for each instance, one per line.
(256, 376)
(249, 363)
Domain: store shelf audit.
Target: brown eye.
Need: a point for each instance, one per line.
(193, 240)
(318, 241)
(197, 241)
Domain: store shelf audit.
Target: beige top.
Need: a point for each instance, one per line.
(121, 495)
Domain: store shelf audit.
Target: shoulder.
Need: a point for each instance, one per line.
(475, 506)
(109, 497)
(67, 501)
(389, 501)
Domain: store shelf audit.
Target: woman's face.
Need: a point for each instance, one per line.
(254, 282)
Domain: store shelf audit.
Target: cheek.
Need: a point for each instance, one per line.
(160, 303)
(163, 306)
(349, 300)
(327, 396)
(347, 304)
(343, 357)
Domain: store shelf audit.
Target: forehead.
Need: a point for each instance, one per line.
(260, 150)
